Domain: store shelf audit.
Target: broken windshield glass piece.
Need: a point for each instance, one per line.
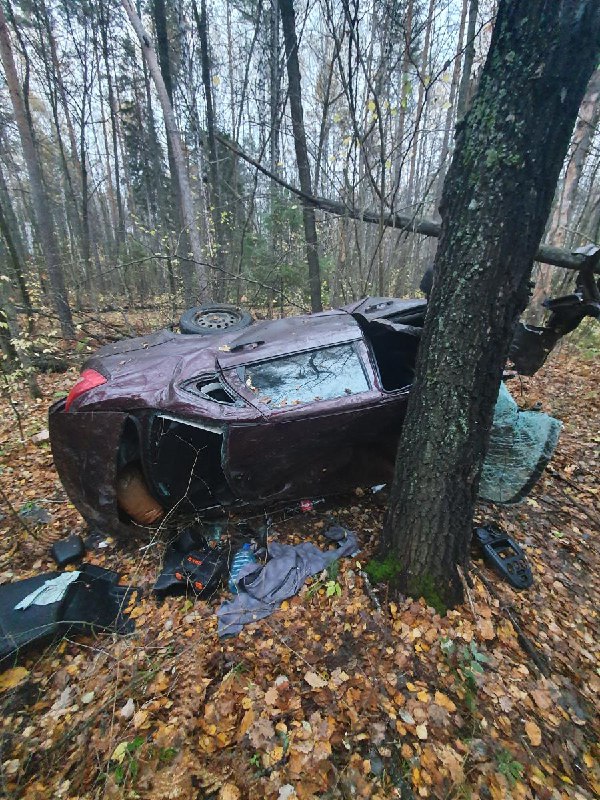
(324, 374)
(521, 444)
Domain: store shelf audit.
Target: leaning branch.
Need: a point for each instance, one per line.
(547, 254)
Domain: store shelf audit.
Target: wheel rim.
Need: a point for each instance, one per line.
(216, 320)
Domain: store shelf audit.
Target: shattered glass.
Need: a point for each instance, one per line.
(323, 374)
(521, 445)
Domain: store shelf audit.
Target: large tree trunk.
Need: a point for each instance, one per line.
(497, 196)
(40, 200)
(288, 24)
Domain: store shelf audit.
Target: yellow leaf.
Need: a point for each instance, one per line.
(371, 105)
(444, 701)
(534, 734)
(423, 696)
(421, 731)
(12, 677)
(119, 752)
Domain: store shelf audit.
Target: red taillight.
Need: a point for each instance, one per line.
(89, 380)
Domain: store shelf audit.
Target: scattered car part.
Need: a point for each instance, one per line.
(68, 550)
(503, 554)
(199, 571)
(38, 609)
(532, 344)
(214, 318)
(190, 538)
(521, 444)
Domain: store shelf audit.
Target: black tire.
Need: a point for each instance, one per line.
(214, 318)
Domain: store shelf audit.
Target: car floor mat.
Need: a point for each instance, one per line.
(36, 610)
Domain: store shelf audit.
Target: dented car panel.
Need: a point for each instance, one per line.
(85, 449)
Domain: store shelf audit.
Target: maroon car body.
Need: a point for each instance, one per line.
(284, 409)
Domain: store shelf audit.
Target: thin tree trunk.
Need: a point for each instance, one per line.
(465, 81)
(40, 200)
(216, 208)
(288, 24)
(164, 60)
(448, 126)
(187, 203)
(112, 107)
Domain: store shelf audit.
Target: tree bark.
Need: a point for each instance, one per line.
(39, 197)
(185, 192)
(496, 200)
(288, 23)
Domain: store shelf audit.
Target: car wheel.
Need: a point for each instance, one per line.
(214, 318)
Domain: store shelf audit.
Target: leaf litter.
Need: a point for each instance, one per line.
(327, 698)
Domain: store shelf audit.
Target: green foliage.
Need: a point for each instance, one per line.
(426, 588)
(587, 338)
(466, 665)
(384, 570)
(509, 767)
(126, 761)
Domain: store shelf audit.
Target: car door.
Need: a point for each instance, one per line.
(317, 406)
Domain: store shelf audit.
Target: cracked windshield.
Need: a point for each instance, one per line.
(307, 377)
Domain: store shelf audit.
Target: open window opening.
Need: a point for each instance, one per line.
(185, 465)
(395, 348)
(211, 387)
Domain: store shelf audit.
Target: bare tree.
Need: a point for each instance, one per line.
(288, 23)
(39, 197)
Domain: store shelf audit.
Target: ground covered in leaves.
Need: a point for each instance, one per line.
(343, 693)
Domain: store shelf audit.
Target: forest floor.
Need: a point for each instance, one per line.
(330, 697)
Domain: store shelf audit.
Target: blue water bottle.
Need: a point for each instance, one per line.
(245, 555)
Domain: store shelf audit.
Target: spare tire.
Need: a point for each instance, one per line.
(214, 318)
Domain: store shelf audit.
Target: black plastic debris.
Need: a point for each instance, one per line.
(191, 538)
(68, 551)
(531, 346)
(504, 555)
(39, 609)
(199, 571)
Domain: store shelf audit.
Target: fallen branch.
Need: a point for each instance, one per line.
(547, 254)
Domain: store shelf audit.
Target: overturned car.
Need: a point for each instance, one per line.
(168, 426)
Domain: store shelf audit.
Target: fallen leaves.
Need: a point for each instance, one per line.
(314, 680)
(324, 697)
(12, 677)
(534, 733)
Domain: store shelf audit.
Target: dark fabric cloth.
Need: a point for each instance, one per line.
(262, 588)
